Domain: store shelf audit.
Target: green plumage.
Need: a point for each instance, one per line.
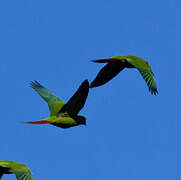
(61, 114)
(118, 63)
(54, 103)
(21, 171)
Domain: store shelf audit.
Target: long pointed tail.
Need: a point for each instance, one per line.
(39, 122)
(105, 60)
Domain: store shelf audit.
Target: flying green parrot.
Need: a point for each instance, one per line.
(21, 171)
(118, 63)
(61, 114)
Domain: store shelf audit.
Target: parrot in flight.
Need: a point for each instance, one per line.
(61, 114)
(21, 171)
(118, 63)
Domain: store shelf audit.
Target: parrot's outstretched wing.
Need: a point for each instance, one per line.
(54, 103)
(77, 101)
(21, 171)
(109, 71)
(25, 175)
(146, 72)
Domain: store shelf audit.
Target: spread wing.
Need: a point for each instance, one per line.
(77, 101)
(21, 171)
(146, 72)
(25, 175)
(109, 71)
(54, 103)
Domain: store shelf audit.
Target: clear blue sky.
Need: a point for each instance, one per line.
(130, 134)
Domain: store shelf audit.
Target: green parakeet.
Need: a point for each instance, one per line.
(61, 114)
(21, 171)
(118, 63)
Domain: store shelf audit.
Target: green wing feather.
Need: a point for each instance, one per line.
(145, 71)
(21, 171)
(77, 101)
(26, 175)
(54, 103)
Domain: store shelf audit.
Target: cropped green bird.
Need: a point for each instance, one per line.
(118, 63)
(21, 171)
(61, 114)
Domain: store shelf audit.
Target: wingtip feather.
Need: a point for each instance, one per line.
(35, 84)
(153, 91)
(85, 83)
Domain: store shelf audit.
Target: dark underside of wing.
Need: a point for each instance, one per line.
(4, 170)
(109, 71)
(77, 101)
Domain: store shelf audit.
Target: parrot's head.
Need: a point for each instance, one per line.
(82, 120)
